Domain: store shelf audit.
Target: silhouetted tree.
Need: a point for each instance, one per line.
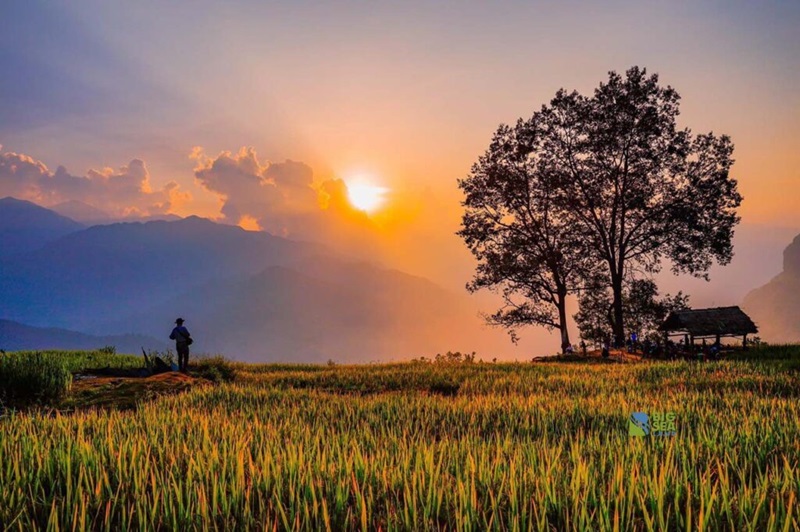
(595, 314)
(610, 174)
(640, 189)
(643, 309)
(526, 250)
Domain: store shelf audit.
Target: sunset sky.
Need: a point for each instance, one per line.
(399, 98)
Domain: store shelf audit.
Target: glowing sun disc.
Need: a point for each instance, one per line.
(366, 197)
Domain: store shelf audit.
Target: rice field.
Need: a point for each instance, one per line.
(422, 446)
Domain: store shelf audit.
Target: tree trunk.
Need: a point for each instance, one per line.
(562, 320)
(617, 325)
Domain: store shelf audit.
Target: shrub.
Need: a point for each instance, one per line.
(33, 377)
(455, 357)
(214, 368)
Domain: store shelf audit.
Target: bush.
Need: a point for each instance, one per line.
(33, 377)
(215, 369)
(455, 357)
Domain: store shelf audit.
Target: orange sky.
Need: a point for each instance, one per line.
(408, 93)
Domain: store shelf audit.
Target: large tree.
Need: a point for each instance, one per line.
(640, 189)
(608, 178)
(526, 250)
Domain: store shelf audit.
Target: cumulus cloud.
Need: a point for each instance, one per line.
(279, 197)
(282, 198)
(124, 192)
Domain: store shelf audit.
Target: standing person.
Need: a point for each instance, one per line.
(606, 349)
(182, 342)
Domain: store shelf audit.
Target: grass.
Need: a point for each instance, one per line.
(32, 377)
(509, 447)
(213, 368)
(75, 361)
(45, 377)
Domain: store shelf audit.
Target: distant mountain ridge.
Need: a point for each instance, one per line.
(92, 273)
(90, 215)
(25, 226)
(247, 294)
(81, 212)
(285, 312)
(775, 307)
(18, 337)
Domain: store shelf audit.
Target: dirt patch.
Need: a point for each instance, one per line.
(125, 393)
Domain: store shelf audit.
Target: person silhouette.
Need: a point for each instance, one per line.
(182, 341)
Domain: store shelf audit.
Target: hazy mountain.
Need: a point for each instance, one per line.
(104, 271)
(757, 255)
(247, 294)
(326, 308)
(82, 212)
(775, 307)
(24, 226)
(90, 215)
(18, 337)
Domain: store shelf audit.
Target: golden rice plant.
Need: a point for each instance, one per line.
(517, 447)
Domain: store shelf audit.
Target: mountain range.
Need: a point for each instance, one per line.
(18, 337)
(250, 295)
(89, 215)
(24, 226)
(775, 307)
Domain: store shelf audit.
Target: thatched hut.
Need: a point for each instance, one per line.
(709, 323)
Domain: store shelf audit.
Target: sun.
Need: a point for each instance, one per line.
(366, 196)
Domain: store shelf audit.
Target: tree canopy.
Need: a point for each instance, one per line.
(594, 187)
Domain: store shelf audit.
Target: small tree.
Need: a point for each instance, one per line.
(644, 310)
(526, 250)
(594, 316)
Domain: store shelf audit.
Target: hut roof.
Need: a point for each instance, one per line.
(710, 322)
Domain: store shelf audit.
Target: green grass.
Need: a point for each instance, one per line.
(32, 377)
(75, 361)
(515, 447)
(46, 376)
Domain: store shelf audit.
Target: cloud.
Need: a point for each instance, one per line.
(283, 199)
(279, 197)
(125, 192)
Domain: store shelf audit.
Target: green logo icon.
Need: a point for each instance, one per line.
(639, 424)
